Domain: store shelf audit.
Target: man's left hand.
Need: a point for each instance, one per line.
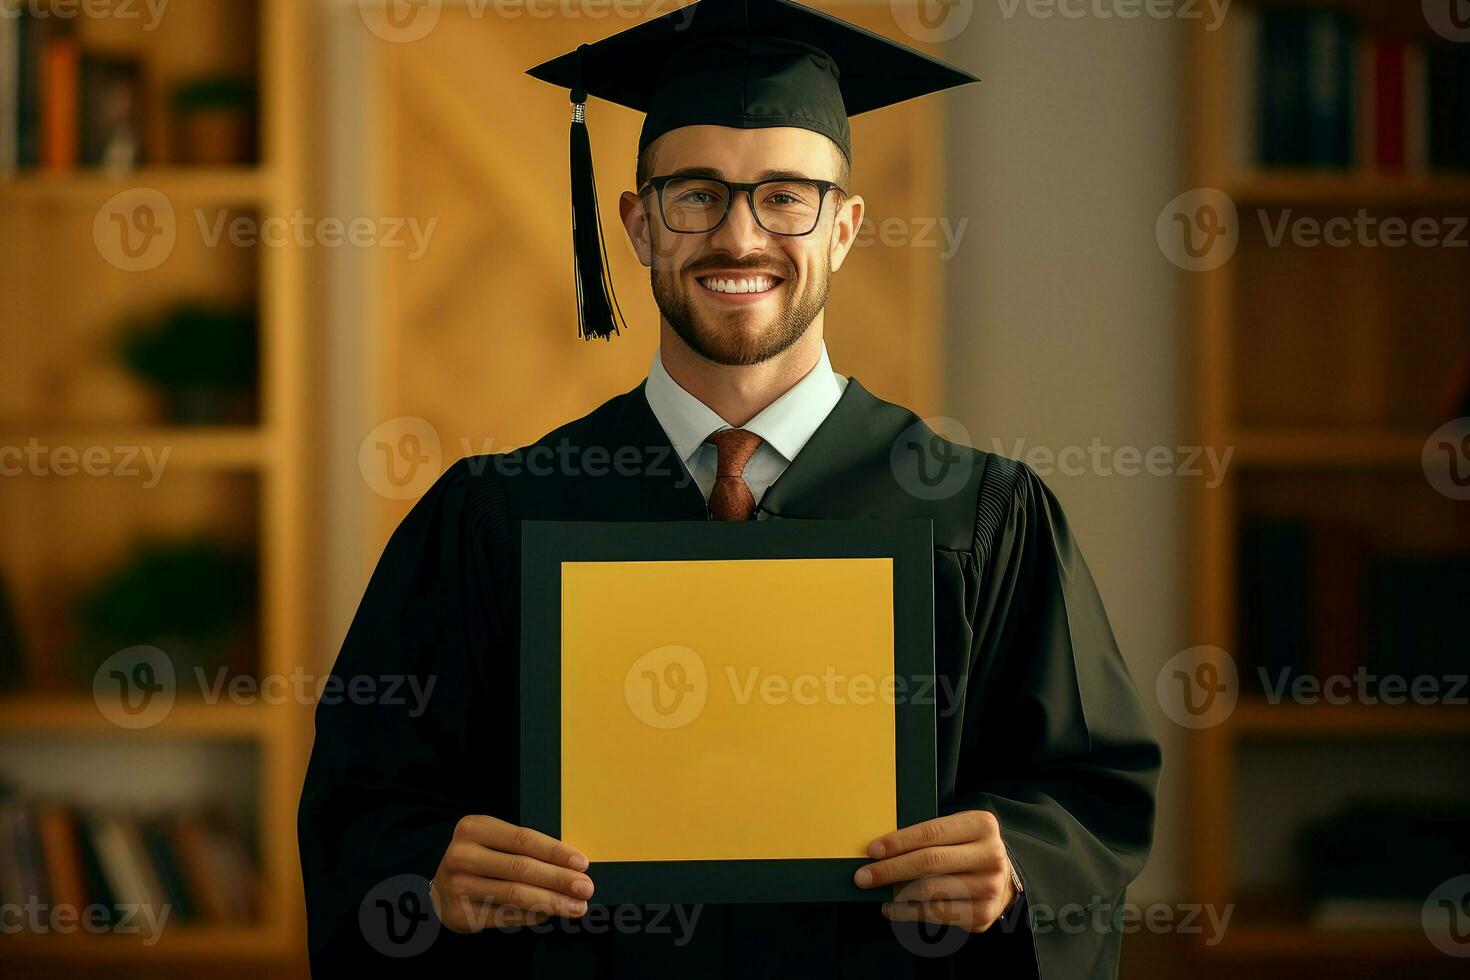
(952, 870)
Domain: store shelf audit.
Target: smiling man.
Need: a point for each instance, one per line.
(743, 212)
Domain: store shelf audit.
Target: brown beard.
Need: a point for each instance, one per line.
(731, 347)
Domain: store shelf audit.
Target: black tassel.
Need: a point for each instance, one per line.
(598, 314)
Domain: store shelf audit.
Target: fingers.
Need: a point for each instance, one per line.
(970, 916)
(496, 834)
(468, 857)
(946, 860)
(516, 894)
(465, 914)
(953, 828)
(961, 887)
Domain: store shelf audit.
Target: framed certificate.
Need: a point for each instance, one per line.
(727, 711)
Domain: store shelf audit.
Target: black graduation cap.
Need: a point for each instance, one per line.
(742, 63)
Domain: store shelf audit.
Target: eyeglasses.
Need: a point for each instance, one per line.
(782, 206)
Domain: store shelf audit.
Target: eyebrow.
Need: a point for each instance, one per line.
(763, 175)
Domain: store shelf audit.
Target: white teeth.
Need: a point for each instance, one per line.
(757, 285)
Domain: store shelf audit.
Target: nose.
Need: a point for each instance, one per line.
(739, 234)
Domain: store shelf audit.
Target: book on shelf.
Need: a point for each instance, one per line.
(195, 864)
(1371, 864)
(1310, 87)
(1318, 599)
(62, 106)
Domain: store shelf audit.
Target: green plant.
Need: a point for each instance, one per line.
(214, 92)
(193, 598)
(202, 358)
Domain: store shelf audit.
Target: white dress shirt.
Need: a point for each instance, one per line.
(784, 426)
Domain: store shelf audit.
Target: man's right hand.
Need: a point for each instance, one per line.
(496, 874)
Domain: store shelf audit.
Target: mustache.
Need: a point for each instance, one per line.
(704, 266)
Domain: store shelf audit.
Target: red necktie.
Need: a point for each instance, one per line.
(731, 499)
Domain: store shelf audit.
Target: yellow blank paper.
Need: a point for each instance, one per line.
(726, 710)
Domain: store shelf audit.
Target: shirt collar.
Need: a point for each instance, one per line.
(785, 425)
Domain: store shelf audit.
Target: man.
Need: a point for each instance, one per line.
(742, 211)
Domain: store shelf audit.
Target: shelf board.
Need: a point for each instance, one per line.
(226, 185)
(1272, 927)
(201, 447)
(1303, 187)
(193, 941)
(78, 714)
(1258, 717)
(1330, 446)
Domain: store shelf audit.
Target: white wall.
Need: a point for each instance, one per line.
(1066, 322)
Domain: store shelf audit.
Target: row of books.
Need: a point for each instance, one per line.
(1313, 88)
(1372, 864)
(196, 864)
(1319, 600)
(61, 106)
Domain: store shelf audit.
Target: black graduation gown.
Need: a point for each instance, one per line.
(1047, 730)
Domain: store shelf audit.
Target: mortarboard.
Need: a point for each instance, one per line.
(741, 63)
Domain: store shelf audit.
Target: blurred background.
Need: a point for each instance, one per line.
(272, 265)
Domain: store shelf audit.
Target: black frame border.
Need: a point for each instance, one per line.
(545, 545)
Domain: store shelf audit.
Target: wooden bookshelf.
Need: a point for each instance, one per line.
(61, 302)
(1306, 364)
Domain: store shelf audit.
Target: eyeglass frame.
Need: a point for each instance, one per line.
(824, 186)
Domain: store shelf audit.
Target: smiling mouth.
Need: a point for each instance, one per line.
(740, 285)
